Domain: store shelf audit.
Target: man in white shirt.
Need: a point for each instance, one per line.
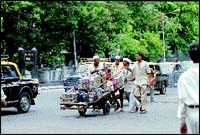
(96, 66)
(128, 73)
(116, 71)
(116, 67)
(188, 92)
(142, 81)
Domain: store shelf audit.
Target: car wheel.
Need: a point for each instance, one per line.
(163, 89)
(68, 106)
(24, 102)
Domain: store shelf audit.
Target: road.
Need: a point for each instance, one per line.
(47, 118)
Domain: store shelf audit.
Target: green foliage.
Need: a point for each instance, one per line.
(104, 28)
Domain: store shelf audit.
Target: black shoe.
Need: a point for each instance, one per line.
(136, 109)
(143, 111)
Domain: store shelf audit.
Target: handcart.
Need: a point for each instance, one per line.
(82, 106)
(80, 99)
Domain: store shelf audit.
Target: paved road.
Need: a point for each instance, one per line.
(46, 117)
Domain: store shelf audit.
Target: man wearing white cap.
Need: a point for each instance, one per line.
(129, 76)
(116, 71)
(93, 68)
(96, 66)
(116, 67)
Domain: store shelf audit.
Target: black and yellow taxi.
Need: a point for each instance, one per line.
(20, 92)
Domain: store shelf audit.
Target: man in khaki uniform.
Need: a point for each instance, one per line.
(142, 81)
(152, 84)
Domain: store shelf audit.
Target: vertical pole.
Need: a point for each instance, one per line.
(198, 20)
(21, 60)
(74, 43)
(35, 63)
(163, 33)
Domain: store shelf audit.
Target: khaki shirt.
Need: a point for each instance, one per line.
(141, 73)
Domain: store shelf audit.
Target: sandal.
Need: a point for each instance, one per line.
(134, 110)
(121, 110)
(143, 111)
(97, 110)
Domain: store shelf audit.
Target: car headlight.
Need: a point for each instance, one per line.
(35, 80)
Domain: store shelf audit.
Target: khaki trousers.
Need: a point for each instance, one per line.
(140, 94)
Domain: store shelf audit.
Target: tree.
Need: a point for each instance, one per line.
(100, 27)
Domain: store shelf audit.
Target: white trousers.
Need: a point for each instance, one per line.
(132, 101)
(193, 119)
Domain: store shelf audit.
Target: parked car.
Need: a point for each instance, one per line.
(20, 92)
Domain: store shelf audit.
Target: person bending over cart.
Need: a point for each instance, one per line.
(94, 68)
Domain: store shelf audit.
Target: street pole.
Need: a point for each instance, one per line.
(74, 44)
(163, 33)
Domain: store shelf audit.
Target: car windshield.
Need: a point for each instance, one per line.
(9, 71)
(185, 66)
(166, 67)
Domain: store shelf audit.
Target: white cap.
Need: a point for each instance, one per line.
(126, 59)
(96, 57)
(117, 57)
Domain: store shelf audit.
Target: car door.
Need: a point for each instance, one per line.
(10, 82)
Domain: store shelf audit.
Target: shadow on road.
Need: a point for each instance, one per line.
(8, 112)
(99, 114)
(88, 115)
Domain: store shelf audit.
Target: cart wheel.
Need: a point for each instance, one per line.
(82, 111)
(163, 89)
(112, 102)
(106, 109)
(68, 105)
